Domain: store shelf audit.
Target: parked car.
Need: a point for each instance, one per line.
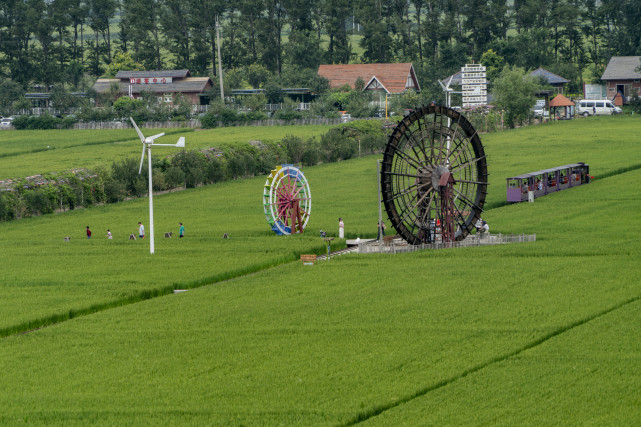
(6, 122)
(540, 112)
(599, 107)
(346, 118)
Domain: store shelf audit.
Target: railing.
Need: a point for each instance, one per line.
(148, 125)
(196, 124)
(400, 246)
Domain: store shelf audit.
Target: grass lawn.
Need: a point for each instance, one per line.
(536, 333)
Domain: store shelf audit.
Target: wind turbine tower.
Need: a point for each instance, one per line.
(147, 143)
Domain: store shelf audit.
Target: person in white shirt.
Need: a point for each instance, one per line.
(341, 228)
(141, 230)
(482, 227)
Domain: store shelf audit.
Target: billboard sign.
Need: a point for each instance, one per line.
(474, 85)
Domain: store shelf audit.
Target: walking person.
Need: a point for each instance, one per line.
(181, 230)
(141, 230)
(88, 233)
(381, 230)
(341, 228)
(109, 236)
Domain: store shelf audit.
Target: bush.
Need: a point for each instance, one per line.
(4, 207)
(295, 147)
(214, 171)
(158, 180)
(209, 121)
(373, 143)
(114, 191)
(255, 115)
(286, 114)
(235, 165)
(174, 177)
(125, 106)
(46, 121)
(311, 154)
(38, 202)
(635, 102)
(68, 122)
(194, 177)
(229, 115)
(126, 173)
(336, 146)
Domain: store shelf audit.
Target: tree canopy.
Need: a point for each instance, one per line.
(45, 42)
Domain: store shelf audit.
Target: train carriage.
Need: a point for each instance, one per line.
(546, 181)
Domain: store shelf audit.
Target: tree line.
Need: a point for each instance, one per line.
(47, 42)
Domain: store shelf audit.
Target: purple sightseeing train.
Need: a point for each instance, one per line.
(546, 181)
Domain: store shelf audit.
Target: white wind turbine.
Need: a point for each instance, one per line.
(146, 144)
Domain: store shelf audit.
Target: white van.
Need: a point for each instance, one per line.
(599, 107)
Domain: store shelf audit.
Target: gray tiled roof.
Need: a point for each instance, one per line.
(551, 78)
(190, 84)
(457, 79)
(622, 68)
(165, 73)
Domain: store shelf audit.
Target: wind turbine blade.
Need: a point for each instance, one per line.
(142, 137)
(156, 136)
(180, 143)
(142, 159)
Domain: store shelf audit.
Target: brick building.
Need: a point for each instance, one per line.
(622, 78)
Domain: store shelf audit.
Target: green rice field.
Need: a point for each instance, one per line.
(542, 333)
(31, 152)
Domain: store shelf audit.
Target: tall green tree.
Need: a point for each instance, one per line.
(100, 12)
(302, 49)
(140, 22)
(376, 38)
(78, 12)
(514, 93)
(272, 24)
(175, 18)
(593, 29)
(339, 49)
(43, 23)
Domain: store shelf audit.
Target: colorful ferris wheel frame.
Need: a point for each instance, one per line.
(287, 200)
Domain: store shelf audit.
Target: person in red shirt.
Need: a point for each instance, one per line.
(88, 233)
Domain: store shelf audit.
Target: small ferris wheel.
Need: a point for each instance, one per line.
(287, 201)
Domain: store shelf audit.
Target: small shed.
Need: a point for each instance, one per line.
(561, 102)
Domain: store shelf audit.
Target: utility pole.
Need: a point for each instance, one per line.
(220, 62)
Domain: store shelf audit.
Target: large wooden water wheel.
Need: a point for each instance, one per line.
(426, 144)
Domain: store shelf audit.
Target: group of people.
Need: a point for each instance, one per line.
(141, 231)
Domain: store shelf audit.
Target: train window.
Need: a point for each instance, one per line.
(514, 183)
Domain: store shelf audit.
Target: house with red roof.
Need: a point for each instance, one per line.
(382, 79)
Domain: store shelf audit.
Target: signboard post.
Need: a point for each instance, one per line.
(474, 85)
